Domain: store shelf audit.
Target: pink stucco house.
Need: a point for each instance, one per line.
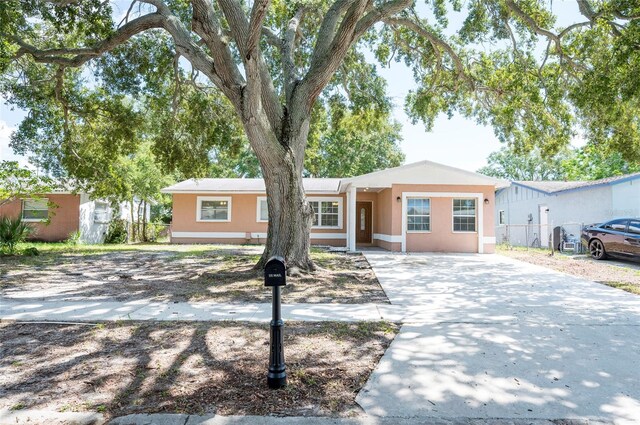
(55, 216)
(419, 207)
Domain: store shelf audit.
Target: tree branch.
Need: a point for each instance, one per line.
(437, 43)
(258, 13)
(328, 27)
(271, 37)
(260, 94)
(288, 46)
(533, 25)
(206, 25)
(381, 12)
(326, 61)
(75, 57)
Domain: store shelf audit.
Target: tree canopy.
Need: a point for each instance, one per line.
(509, 165)
(215, 72)
(588, 162)
(18, 182)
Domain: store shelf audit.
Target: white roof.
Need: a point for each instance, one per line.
(561, 186)
(423, 172)
(246, 185)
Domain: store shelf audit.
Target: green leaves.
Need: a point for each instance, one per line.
(509, 165)
(17, 182)
(500, 62)
(352, 142)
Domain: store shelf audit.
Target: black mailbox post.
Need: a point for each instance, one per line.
(275, 275)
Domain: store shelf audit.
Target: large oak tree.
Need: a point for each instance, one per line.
(507, 64)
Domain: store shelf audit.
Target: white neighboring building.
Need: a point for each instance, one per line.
(95, 216)
(527, 210)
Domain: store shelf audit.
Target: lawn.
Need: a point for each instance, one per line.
(605, 272)
(162, 272)
(194, 367)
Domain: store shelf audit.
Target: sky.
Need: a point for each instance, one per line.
(457, 142)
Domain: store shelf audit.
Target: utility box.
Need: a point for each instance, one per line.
(275, 272)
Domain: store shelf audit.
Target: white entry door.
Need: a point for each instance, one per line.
(544, 226)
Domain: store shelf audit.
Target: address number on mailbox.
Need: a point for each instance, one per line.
(275, 272)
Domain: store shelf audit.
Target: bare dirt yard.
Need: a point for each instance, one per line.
(194, 367)
(625, 276)
(214, 273)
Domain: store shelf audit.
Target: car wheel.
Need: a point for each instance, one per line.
(596, 248)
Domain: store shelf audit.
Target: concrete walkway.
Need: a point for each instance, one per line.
(56, 418)
(42, 309)
(491, 337)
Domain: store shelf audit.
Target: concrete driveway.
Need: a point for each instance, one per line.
(490, 337)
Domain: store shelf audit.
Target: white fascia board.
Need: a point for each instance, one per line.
(231, 192)
(328, 236)
(243, 235)
(210, 235)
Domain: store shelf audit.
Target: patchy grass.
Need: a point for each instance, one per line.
(90, 249)
(604, 272)
(187, 367)
(634, 289)
(197, 273)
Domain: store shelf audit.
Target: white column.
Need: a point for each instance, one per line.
(404, 223)
(480, 210)
(351, 213)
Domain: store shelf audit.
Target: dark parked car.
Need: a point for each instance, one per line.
(619, 238)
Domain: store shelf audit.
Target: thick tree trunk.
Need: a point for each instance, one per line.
(290, 215)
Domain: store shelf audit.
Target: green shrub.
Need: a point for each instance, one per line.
(74, 238)
(31, 252)
(12, 232)
(117, 232)
(155, 231)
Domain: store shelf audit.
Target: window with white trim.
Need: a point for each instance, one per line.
(501, 217)
(418, 214)
(262, 213)
(101, 212)
(464, 215)
(327, 213)
(35, 209)
(211, 208)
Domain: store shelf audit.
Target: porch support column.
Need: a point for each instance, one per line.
(351, 211)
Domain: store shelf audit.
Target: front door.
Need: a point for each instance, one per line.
(363, 222)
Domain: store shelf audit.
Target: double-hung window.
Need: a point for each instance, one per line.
(327, 213)
(418, 214)
(214, 208)
(262, 213)
(34, 210)
(101, 212)
(464, 215)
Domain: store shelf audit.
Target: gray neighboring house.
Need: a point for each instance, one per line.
(527, 211)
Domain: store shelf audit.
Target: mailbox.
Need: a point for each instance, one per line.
(275, 272)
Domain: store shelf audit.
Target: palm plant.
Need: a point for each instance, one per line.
(12, 232)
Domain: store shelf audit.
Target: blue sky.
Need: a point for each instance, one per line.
(458, 142)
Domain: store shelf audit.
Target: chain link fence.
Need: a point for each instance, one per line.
(564, 237)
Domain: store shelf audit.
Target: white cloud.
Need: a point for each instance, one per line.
(6, 153)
